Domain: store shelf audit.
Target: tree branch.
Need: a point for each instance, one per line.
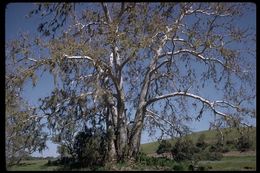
(153, 115)
(78, 57)
(203, 100)
(198, 55)
(107, 15)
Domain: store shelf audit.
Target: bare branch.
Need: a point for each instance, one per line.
(227, 103)
(107, 15)
(203, 100)
(198, 55)
(122, 10)
(31, 59)
(153, 115)
(78, 57)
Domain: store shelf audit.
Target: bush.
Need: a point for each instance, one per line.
(53, 162)
(230, 142)
(153, 161)
(90, 147)
(202, 168)
(206, 155)
(183, 150)
(244, 143)
(141, 157)
(225, 150)
(201, 142)
(214, 156)
(178, 167)
(164, 147)
(216, 148)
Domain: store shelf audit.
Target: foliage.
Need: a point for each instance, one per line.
(164, 147)
(201, 141)
(183, 149)
(244, 143)
(63, 151)
(153, 161)
(90, 147)
(178, 167)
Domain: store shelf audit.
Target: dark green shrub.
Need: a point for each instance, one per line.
(230, 142)
(183, 150)
(225, 149)
(178, 167)
(214, 156)
(201, 142)
(191, 168)
(207, 155)
(141, 157)
(202, 168)
(216, 147)
(244, 143)
(49, 163)
(164, 147)
(90, 147)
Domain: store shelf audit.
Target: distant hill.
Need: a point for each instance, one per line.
(210, 137)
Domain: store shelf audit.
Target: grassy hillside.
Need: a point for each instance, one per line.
(210, 137)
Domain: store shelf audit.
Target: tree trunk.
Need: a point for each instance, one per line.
(111, 154)
(135, 135)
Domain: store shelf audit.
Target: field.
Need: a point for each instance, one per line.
(233, 160)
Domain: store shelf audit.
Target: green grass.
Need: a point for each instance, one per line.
(210, 137)
(234, 163)
(32, 165)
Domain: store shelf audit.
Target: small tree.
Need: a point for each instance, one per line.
(164, 147)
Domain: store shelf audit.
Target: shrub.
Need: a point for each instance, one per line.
(164, 147)
(183, 149)
(244, 143)
(141, 157)
(214, 156)
(216, 148)
(201, 142)
(90, 147)
(202, 168)
(178, 167)
(230, 142)
(225, 150)
(207, 155)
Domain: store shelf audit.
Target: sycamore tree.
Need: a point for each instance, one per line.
(126, 67)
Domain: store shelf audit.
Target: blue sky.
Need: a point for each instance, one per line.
(16, 22)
